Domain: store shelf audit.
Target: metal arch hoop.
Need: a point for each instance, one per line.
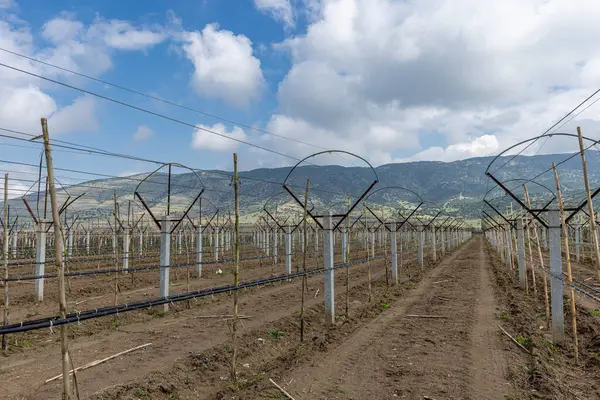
(343, 216)
(329, 152)
(395, 187)
(421, 201)
(523, 180)
(281, 227)
(169, 164)
(487, 170)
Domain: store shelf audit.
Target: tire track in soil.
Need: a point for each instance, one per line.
(400, 357)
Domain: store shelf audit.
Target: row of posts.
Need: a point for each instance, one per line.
(267, 241)
(551, 241)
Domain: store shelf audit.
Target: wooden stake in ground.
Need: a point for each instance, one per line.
(60, 266)
(568, 260)
(236, 269)
(304, 261)
(590, 205)
(528, 233)
(5, 257)
(537, 243)
(97, 362)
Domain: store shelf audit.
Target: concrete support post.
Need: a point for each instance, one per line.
(433, 243)
(87, 242)
(420, 240)
(40, 259)
(179, 234)
(329, 273)
(442, 239)
(141, 244)
(344, 245)
(199, 251)
(275, 245)
(556, 283)
(126, 235)
(267, 243)
(521, 253)
(165, 258)
(288, 249)
(216, 244)
(15, 237)
(394, 248)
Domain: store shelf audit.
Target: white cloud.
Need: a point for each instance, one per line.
(224, 65)
(390, 78)
(7, 4)
(280, 10)
(142, 133)
(122, 35)
(68, 43)
(482, 146)
(203, 140)
(80, 116)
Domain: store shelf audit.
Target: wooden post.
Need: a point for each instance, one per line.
(304, 247)
(5, 257)
(236, 269)
(568, 259)
(528, 232)
(60, 266)
(541, 258)
(590, 205)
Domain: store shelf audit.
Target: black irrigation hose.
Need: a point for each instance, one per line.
(110, 271)
(77, 317)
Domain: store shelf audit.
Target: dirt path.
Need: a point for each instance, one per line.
(489, 363)
(395, 356)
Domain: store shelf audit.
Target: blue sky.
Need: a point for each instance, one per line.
(390, 80)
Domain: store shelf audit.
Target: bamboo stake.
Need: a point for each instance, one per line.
(97, 362)
(537, 242)
(5, 257)
(304, 262)
(593, 232)
(568, 260)
(289, 396)
(528, 232)
(523, 223)
(236, 269)
(60, 266)
(514, 340)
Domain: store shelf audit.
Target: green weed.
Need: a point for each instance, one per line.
(275, 334)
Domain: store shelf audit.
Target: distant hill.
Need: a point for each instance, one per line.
(456, 186)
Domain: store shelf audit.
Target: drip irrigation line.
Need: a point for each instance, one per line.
(77, 317)
(134, 269)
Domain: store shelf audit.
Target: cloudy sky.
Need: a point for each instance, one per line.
(390, 80)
